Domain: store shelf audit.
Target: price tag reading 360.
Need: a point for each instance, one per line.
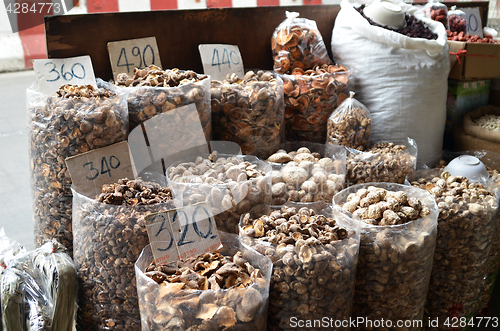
(51, 74)
(219, 60)
(181, 233)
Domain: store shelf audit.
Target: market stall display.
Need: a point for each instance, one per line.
(398, 237)
(153, 91)
(310, 97)
(226, 289)
(395, 252)
(466, 224)
(110, 234)
(401, 76)
(74, 120)
(314, 250)
(307, 172)
(249, 112)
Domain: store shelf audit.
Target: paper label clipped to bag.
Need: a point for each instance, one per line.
(182, 233)
(51, 74)
(220, 60)
(126, 55)
(91, 170)
(474, 23)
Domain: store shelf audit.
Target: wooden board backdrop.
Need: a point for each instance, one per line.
(179, 32)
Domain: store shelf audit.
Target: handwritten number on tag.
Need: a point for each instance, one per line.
(184, 232)
(113, 163)
(195, 225)
(67, 75)
(227, 58)
(163, 229)
(472, 22)
(136, 52)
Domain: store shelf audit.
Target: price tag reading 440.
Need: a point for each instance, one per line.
(126, 55)
(219, 60)
(51, 74)
(181, 233)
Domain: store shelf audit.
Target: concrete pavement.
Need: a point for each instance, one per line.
(15, 193)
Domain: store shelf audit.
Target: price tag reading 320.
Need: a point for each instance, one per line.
(219, 60)
(181, 233)
(51, 74)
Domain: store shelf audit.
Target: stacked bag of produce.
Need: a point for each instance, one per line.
(401, 73)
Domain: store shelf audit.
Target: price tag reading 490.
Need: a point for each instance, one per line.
(181, 233)
(126, 55)
(219, 60)
(51, 74)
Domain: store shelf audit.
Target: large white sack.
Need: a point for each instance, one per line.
(403, 81)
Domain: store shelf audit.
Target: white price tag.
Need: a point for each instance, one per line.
(474, 24)
(181, 233)
(219, 60)
(51, 74)
(91, 170)
(125, 55)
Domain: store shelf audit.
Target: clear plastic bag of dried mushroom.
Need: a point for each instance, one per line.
(73, 121)
(310, 98)
(231, 184)
(297, 43)
(492, 161)
(314, 249)
(466, 225)
(38, 290)
(153, 91)
(350, 125)
(222, 290)
(250, 112)
(110, 234)
(398, 238)
(389, 162)
(307, 172)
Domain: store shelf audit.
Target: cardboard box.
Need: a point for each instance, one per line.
(464, 96)
(480, 61)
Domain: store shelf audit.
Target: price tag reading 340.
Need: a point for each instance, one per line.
(219, 60)
(181, 233)
(51, 74)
